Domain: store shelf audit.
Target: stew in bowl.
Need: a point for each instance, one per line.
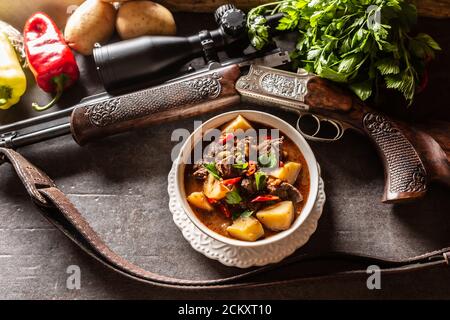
(251, 182)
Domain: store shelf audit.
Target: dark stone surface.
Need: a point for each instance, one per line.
(120, 186)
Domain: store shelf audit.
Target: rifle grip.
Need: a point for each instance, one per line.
(190, 96)
(405, 173)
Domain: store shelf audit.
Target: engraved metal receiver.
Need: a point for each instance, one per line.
(405, 151)
(287, 90)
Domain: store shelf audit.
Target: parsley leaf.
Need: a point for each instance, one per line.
(245, 214)
(260, 180)
(211, 167)
(240, 166)
(404, 82)
(236, 215)
(233, 197)
(388, 66)
(362, 89)
(268, 160)
(429, 41)
(258, 32)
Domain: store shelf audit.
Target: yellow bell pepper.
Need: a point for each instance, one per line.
(13, 82)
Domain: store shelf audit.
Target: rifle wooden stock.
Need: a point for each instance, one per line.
(411, 157)
(202, 93)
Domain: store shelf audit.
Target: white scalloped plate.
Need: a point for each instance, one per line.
(243, 257)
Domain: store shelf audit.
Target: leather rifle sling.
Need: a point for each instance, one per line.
(58, 209)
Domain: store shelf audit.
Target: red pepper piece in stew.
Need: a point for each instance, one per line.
(265, 198)
(212, 201)
(232, 181)
(224, 209)
(251, 168)
(227, 138)
(49, 57)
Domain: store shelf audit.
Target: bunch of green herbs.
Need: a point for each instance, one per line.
(361, 43)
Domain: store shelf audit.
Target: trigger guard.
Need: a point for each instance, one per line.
(311, 137)
(339, 129)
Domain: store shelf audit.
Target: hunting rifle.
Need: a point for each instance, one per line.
(411, 157)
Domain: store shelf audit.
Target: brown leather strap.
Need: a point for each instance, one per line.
(58, 209)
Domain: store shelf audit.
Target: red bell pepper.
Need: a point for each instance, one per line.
(265, 198)
(49, 57)
(232, 181)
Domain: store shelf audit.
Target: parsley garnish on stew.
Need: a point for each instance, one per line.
(233, 197)
(211, 167)
(260, 180)
(241, 166)
(268, 160)
(245, 214)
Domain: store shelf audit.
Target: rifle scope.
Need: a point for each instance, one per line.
(149, 60)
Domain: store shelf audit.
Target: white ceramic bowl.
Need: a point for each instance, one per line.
(265, 119)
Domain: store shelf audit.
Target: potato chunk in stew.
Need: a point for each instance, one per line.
(198, 199)
(277, 217)
(246, 228)
(289, 172)
(214, 189)
(239, 123)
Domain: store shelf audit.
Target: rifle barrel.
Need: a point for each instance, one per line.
(56, 124)
(12, 140)
(36, 120)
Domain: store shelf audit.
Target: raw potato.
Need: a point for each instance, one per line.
(16, 12)
(198, 199)
(246, 228)
(214, 189)
(289, 172)
(239, 123)
(138, 18)
(277, 217)
(91, 22)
